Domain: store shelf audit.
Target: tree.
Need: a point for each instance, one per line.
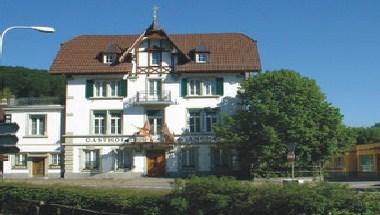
(6, 93)
(278, 108)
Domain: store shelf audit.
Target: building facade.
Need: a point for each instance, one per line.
(359, 162)
(39, 141)
(146, 104)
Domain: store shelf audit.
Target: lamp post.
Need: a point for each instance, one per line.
(291, 155)
(43, 29)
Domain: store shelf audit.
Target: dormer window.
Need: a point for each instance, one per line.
(201, 57)
(109, 58)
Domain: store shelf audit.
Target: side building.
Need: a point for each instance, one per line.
(146, 104)
(39, 141)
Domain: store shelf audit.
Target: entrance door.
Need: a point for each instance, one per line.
(155, 118)
(156, 163)
(38, 167)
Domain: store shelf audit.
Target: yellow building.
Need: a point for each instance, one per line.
(360, 162)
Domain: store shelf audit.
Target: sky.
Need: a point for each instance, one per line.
(335, 42)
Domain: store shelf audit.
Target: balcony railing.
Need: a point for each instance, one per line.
(153, 97)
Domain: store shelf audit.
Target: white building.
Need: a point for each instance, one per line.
(39, 141)
(181, 84)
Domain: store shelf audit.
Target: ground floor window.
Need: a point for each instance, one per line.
(366, 163)
(20, 161)
(189, 158)
(123, 159)
(91, 159)
(221, 158)
(55, 160)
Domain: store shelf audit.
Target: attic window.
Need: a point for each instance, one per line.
(201, 57)
(109, 58)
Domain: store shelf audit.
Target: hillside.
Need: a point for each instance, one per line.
(24, 82)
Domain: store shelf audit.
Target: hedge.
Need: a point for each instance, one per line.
(209, 195)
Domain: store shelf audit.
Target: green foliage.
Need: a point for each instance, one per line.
(207, 195)
(213, 195)
(368, 135)
(282, 107)
(23, 82)
(6, 93)
(126, 201)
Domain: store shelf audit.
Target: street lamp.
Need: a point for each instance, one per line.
(43, 29)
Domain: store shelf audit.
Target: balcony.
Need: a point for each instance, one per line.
(153, 98)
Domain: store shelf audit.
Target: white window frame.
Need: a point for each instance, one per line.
(55, 159)
(109, 117)
(102, 124)
(20, 163)
(201, 57)
(40, 121)
(91, 156)
(203, 117)
(106, 88)
(116, 119)
(201, 87)
(109, 58)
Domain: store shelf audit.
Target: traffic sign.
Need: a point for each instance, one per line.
(8, 128)
(8, 139)
(9, 150)
(291, 156)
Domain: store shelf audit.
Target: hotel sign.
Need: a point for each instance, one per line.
(101, 140)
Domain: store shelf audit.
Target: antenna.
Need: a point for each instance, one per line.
(155, 10)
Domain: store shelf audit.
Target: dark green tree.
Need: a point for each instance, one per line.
(278, 108)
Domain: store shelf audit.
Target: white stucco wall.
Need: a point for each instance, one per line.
(50, 143)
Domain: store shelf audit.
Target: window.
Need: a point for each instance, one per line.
(156, 59)
(366, 163)
(115, 122)
(107, 122)
(20, 160)
(55, 159)
(155, 118)
(221, 158)
(202, 87)
(8, 118)
(189, 157)
(91, 159)
(99, 122)
(37, 125)
(202, 120)
(114, 88)
(339, 162)
(211, 118)
(194, 87)
(195, 121)
(109, 88)
(124, 159)
(109, 58)
(154, 86)
(201, 57)
(209, 88)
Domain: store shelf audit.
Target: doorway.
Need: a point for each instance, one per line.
(156, 163)
(38, 167)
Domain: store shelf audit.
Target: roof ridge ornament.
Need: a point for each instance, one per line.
(155, 10)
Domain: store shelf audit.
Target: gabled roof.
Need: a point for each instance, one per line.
(229, 52)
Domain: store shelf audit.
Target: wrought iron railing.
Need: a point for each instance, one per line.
(153, 97)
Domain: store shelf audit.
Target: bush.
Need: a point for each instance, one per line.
(207, 195)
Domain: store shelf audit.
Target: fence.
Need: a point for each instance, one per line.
(32, 207)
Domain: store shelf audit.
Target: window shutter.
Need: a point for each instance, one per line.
(219, 86)
(212, 158)
(184, 87)
(89, 88)
(123, 88)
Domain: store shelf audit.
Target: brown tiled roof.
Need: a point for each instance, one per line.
(228, 52)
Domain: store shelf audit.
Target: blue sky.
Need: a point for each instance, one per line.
(336, 42)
